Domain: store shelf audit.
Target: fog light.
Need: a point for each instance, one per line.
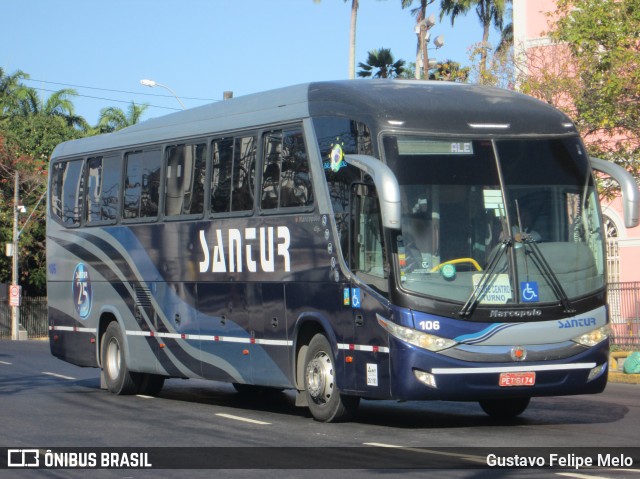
(597, 371)
(426, 378)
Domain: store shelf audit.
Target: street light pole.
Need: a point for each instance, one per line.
(423, 30)
(153, 84)
(15, 310)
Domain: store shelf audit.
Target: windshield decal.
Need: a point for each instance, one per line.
(497, 291)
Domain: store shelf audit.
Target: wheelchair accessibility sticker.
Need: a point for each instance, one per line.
(355, 298)
(529, 292)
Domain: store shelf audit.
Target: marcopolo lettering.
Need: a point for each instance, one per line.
(515, 313)
(253, 248)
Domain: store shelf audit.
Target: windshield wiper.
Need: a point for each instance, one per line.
(543, 266)
(487, 276)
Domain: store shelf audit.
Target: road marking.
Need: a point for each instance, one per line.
(59, 376)
(4, 362)
(143, 396)
(243, 419)
(464, 457)
(589, 476)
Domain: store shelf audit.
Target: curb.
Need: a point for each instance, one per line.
(617, 376)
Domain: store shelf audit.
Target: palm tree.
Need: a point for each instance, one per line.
(352, 36)
(59, 104)
(114, 118)
(9, 87)
(506, 36)
(383, 60)
(489, 12)
(420, 13)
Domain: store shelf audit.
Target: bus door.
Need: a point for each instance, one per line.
(369, 290)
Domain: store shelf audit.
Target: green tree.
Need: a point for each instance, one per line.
(30, 128)
(32, 240)
(448, 70)
(490, 12)
(383, 61)
(10, 86)
(355, 4)
(59, 104)
(114, 118)
(593, 74)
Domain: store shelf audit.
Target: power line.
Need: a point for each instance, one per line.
(116, 91)
(114, 100)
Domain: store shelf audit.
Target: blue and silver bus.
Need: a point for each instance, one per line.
(382, 239)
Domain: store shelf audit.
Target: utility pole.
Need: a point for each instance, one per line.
(15, 310)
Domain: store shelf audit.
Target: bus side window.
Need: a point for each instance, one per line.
(295, 180)
(142, 184)
(110, 190)
(94, 190)
(367, 241)
(55, 190)
(244, 164)
(221, 175)
(72, 192)
(270, 190)
(103, 188)
(286, 179)
(184, 182)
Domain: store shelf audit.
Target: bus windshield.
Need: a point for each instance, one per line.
(506, 221)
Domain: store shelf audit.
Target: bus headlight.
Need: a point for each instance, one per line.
(417, 338)
(593, 337)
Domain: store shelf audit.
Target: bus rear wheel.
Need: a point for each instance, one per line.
(504, 408)
(325, 401)
(117, 376)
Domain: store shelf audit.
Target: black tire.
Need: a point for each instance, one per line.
(323, 396)
(151, 384)
(117, 376)
(504, 408)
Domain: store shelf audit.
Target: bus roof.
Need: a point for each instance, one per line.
(419, 106)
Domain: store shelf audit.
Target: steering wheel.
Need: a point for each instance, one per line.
(458, 261)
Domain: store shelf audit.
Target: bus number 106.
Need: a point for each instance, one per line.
(429, 325)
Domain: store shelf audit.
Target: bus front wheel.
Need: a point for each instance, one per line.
(117, 376)
(325, 401)
(504, 408)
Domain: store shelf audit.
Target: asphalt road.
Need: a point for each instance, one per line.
(46, 403)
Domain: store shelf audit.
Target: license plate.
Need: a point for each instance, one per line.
(517, 379)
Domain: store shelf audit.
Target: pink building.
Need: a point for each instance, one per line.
(530, 21)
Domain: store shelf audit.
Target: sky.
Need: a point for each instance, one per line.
(202, 48)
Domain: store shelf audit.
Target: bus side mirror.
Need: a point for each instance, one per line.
(386, 185)
(628, 187)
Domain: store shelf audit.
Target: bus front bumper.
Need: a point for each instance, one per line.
(418, 374)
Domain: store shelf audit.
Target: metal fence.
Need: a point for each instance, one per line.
(624, 311)
(33, 317)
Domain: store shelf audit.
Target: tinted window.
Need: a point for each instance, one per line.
(103, 188)
(185, 176)
(221, 175)
(111, 179)
(244, 164)
(286, 179)
(67, 190)
(351, 136)
(142, 182)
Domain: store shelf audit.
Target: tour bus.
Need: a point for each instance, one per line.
(376, 239)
